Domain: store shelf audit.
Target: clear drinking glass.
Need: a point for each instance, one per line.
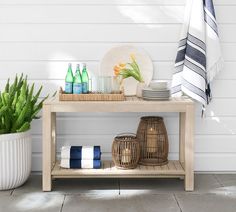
(105, 84)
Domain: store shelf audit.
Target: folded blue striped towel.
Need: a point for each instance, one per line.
(80, 164)
(81, 152)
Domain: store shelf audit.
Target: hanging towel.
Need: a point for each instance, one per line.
(80, 164)
(199, 56)
(81, 152)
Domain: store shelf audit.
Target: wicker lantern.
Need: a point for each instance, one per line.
(153, 140)
(125, 151)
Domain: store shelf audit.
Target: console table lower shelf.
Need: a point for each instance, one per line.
(108, 170)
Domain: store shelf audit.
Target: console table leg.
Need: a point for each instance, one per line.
(47, 148)
(53, 115)
(189, 148)
(181, 137)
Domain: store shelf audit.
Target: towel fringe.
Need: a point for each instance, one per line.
(215, 69)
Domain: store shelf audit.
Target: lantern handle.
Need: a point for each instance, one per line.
(127, 133)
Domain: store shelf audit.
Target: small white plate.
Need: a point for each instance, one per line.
(154, 90)
(156, 99)
(159, 85)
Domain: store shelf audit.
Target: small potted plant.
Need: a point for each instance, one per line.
(126, 70)
(18, 107)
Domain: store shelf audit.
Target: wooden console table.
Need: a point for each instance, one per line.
(183, 168)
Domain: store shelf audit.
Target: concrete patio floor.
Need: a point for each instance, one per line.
(212, 193)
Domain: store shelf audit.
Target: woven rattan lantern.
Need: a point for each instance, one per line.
(125, 151)
(153, 140)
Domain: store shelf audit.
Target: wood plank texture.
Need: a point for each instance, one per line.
(40, 42)
(48, 127)
(205, 144)
(220, 88)
(106, 2)
(204, 162)
(110, 14)
(79, 51)
(55, 70)
(214, 126)
(149, 33)
(108, 170)
(94, 2)
(132, 104)
(184, 105)
(189, 148)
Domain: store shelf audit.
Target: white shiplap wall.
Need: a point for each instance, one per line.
(39, 38)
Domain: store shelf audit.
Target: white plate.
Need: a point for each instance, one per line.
(152, 97)
(157, 93)
(163, 96)
(155, 99)
(121, 54)
(158, 85)
(148, 89)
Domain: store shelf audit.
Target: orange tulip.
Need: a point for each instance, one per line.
(116, 70)
(117, 73)
(120, 69)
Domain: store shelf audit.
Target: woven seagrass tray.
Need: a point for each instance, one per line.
(91, 96)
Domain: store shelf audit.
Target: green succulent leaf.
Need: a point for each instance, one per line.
(18, 105)
(24, 127)
(7, 86)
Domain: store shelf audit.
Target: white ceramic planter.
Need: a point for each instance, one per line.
(15, 159)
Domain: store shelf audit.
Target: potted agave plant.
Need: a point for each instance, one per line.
(126, 70)
(18, 107)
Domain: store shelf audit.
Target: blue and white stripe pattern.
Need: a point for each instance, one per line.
(81, 157)
(199, 56)
(81, 152)
(80, 164)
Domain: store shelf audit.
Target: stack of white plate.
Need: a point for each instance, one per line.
(157, 94)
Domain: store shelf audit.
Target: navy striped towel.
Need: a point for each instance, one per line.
(81, 152)
(199, 55)
(80, 164)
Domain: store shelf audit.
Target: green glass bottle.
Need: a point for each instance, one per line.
(69, 80)
(77, 85)
(85, 80)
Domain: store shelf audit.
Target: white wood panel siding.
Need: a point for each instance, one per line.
(39, 38)
(110, 32)
(114, 14)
